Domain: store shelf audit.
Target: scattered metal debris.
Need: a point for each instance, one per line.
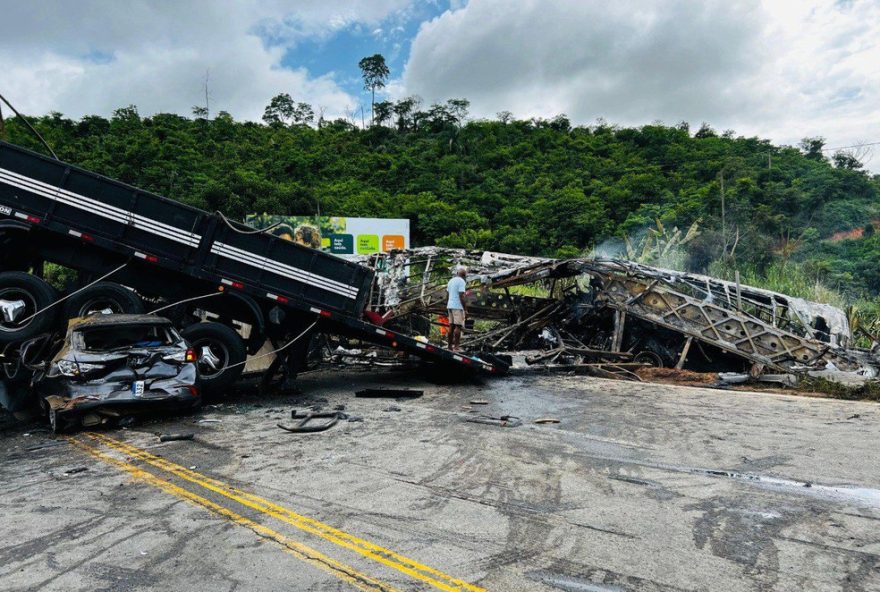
(372, 393)
(505, 421)
(305, 421)
(49, 444)
(176, 437)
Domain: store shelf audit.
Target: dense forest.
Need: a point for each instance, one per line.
(541, 187)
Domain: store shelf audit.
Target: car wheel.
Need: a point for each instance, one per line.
(220, 352)
(21, 296)
(103, 297)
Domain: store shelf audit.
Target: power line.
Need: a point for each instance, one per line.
(853, 146)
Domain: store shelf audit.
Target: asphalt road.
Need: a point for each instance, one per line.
(639, 487)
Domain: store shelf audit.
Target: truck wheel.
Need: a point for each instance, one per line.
(103, 297)
(217, 347)
(21, 295)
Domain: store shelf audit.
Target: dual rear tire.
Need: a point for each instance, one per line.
(24, 302)
(103, 298)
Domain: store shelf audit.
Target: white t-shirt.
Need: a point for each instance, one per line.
(455, 287)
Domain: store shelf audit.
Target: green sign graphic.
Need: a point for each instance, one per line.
(368, 243)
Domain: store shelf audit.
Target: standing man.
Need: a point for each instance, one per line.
(456, 307)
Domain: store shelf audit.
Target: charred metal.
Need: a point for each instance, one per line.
(612, 316)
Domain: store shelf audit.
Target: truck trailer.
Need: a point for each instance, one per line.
(136, 252)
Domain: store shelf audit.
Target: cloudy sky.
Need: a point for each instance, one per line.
(778, 69)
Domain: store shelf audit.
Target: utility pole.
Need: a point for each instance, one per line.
(723, 216)
(207, 99)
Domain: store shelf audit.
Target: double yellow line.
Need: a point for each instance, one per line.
(387, 557)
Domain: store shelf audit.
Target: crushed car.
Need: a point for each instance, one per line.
(109, 367)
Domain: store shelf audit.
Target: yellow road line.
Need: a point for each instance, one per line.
(410, 567)
(298, 550)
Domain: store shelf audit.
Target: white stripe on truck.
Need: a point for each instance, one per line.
(222, 248)
(278, 268)
(169, 232)
(99, 208)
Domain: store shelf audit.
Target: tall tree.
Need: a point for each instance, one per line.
(812, 147)
(403, 109)
(458, 109)
(375, 74)
(384, 110)
(279, 110)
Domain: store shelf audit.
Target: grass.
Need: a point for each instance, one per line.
(869, 391)
(785, 277)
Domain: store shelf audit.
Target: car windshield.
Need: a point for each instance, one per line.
(122, 337)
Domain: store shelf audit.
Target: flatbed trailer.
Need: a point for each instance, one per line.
(169, 252)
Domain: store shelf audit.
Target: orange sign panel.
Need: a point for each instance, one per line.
(392, 241)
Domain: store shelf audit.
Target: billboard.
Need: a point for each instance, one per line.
(346, 237)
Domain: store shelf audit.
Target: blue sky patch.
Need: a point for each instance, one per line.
(337, 53)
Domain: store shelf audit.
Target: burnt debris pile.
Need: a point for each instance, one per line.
(611, 317)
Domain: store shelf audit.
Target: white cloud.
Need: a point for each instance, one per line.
(773, 68)
(94, 56)
(783, 70)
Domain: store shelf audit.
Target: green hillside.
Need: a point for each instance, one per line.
(540, 187)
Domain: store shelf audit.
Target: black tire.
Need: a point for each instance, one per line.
(226, 345)
(103, 296)
(654, 354)
(36, 294)
(649, 357)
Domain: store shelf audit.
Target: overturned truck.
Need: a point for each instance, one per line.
(615, 315)
(228, 287)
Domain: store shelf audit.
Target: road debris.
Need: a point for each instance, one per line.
(372, 393)
(176, 437)
(505, 421)
(307, 423)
